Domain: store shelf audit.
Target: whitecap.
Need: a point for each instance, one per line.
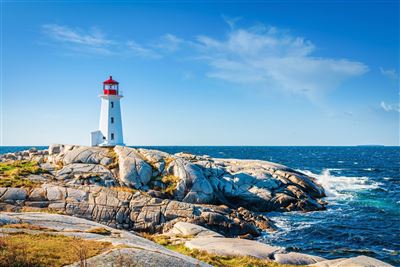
(335, 169)
(342, 187)
(389, 250)
(283, 224)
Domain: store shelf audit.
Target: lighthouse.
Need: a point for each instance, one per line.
(110, 129)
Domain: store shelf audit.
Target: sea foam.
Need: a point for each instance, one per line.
(342, 187)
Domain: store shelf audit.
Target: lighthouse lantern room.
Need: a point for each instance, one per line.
(110, 132)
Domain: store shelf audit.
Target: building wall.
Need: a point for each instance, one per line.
(108, 128)
(96, 138)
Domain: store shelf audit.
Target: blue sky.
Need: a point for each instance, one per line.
(270, 73)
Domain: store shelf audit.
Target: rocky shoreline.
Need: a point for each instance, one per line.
(155, 192)
(253, 184)
(131, 211)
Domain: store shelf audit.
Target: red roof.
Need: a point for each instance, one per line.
(110, 81)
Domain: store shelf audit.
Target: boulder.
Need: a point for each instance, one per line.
(359, 261)
(306, 183)
(33, 150)
(192, 230)
(233, 247)
(91, 155)
(75, 195)
(48, 167)
(6, 219)
(85, 173)
(254, 184)
(193, 186)
(54, 193)
(106, 161)
(282, 202)
(294, 258)
(155, 158)
(134, 171)
(40, 178)
(14, 194)
(10, 156)
(37, 194)
(139, 258)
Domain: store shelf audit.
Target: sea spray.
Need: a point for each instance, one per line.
(342, 187)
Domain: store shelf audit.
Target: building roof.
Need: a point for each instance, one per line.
(110, 81)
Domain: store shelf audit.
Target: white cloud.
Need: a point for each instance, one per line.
(390, 107)
(169, 43)
(275, 59)
(390, 73)
(231, 21)
(265, 57)
(65, 34)
(95, 42)
(138, 50)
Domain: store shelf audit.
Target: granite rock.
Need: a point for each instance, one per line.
(132, 251)
(86, 173)
(294, 258)
(134, 171)
(192, 230)
(359, 261)
(233, 247)
(133, 211)
(253, 184)
(139, 258)
(91, 155)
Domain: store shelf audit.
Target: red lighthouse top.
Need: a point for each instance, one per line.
(110, 81)
(110, 87)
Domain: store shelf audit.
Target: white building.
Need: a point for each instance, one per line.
(110, 132)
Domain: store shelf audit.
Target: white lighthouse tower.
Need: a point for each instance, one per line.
(110, 132)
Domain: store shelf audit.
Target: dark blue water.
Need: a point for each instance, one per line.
(363, 187)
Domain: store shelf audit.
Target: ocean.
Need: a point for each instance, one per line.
(363, 188)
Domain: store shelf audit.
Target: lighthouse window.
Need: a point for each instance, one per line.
(112, 119)
(112, 136)
(112, 104)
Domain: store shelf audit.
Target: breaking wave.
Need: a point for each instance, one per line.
(343, 187)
